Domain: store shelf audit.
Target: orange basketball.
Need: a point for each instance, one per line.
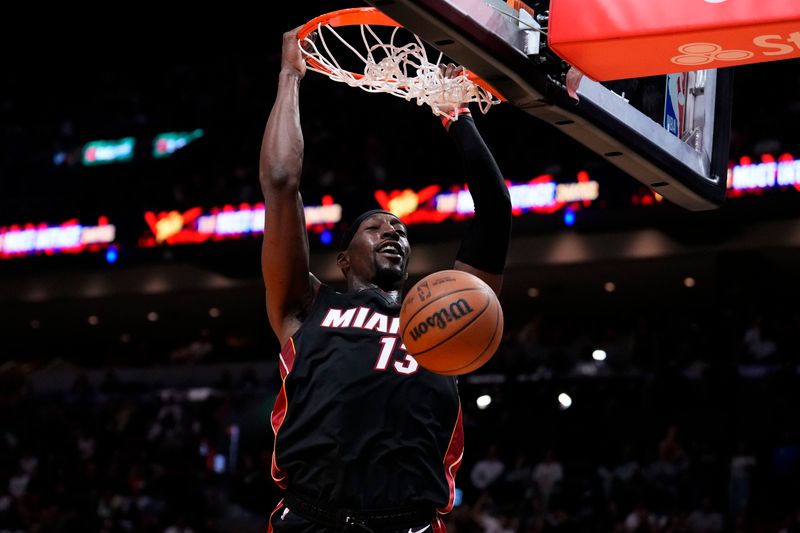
(451, 322)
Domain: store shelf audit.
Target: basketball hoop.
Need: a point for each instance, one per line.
(401, 70)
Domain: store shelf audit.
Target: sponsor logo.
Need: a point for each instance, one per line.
(694, 54)
(439, 319)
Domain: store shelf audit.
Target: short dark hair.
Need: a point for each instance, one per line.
(353, 228)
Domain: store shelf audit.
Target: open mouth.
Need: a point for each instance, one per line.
(392, 249)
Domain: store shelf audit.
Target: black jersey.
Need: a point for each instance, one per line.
(358, 423)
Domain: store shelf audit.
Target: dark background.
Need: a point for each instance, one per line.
(114, 426)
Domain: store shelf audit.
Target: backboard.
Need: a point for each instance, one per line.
(681, 152)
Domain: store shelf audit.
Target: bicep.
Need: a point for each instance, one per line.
(285, 258)
(494, 281)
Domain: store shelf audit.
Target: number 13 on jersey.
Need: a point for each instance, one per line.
(408, 365)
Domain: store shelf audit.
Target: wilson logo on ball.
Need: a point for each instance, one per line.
(439, 319)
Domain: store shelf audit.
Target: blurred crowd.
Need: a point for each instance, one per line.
(95, 459)
(701, 442)
(667, 487)
(579, 340)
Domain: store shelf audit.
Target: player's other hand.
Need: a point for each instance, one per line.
(291, 58)
(451, 70)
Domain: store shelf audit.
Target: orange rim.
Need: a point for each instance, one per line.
(355, 16)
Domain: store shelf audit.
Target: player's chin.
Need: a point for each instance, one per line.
(391, 272)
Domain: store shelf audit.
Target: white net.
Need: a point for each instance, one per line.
(401, 70)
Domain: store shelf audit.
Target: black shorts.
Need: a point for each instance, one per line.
(283, 520)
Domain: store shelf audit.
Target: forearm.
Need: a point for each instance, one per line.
(281, 159)
(485, 243)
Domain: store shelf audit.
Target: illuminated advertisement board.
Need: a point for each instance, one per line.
(749, 177)
(71, 237)
(106, 152)
(427, 205)
(200, 225)
(542, 195)
(166, 144)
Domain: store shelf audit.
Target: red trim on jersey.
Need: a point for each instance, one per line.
(286, 358)
(452, 460)
(438, 525)
(285, 362)
(269, 523)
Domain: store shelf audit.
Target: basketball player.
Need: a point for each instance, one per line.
(365, 439)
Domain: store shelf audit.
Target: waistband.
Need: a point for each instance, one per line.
(354, 519)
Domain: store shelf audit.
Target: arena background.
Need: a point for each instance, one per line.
(138, 373)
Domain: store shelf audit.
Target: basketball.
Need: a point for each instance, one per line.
(451, 322)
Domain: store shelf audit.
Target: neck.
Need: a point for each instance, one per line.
(394, 292)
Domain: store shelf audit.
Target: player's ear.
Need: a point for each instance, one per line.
(343, 261)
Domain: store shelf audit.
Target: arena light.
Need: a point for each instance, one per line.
(107, 152)
(326, 237)
(599, 355)
(564, 401)
(483, 401)
(219, 463)
(199, 394)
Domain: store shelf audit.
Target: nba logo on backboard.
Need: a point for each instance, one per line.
(424, 291)
(675, 103)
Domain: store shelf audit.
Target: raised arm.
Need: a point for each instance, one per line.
(484, 247)
(284, 253)
(485, 244)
